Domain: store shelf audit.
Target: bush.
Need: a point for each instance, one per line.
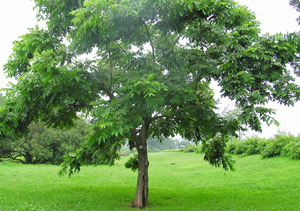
(230, 147)
(173, 150)
(199, 149)
(283, 145)
(265, 147)
(189, 148)
(275, 146)
(251, 146)
(292, 149)
(240, 148)
(262, 145)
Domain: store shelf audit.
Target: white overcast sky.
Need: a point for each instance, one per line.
(16, 16)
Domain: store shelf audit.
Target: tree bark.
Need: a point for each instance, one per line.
(28, 158)
(141, 196)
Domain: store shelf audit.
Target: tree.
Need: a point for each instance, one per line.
(44, 145)
(142, 69)
(153, 144)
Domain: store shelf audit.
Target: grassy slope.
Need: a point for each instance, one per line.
(178, 181)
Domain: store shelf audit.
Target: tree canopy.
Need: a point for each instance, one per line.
(42, 144)
(142, 69)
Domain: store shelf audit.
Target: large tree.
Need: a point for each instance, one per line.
(143, 68)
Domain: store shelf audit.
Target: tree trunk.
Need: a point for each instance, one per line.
(28, 158)
(141, 196)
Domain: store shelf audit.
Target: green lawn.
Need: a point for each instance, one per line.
(178, 181)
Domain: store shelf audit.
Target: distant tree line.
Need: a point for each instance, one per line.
(154, 145)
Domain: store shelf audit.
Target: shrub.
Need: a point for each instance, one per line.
(262, 145)
(189, 148)
(173, 150)
(230, 147)
(240, 147)
(251, 146)
(292, 149)
(199, 149)
(247, 147)
(285, 145)
(275, 146)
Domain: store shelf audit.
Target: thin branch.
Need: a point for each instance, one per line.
(134, 136)
(151, 42)
(181, 33)
(161, 116)
(120, 47)
(111, 67)
(13, 158)
(107, 91)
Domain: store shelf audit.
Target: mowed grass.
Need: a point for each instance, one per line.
(177, 181)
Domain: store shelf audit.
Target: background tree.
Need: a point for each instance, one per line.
(149, 75)
(153, 144)
(44, 145)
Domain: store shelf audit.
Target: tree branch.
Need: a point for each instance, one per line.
(107, 91)
(161, 116)
(120, 47)
(151, 42)
(111, 67)
(10, 156)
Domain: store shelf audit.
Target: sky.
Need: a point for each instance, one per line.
(275, 16)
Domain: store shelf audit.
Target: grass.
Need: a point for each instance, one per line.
(178, 181)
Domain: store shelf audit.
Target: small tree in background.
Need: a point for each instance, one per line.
(44, 145)
(153, 144)
(149, 76)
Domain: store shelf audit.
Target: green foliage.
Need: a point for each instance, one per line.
(292, 149)
(215, 153)
(296, 5)
(132, 163)
(284, 145)
(200, 148)
(194, 148)
(1, 99)
(274, 147)
(189, 148)
(44, 145)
